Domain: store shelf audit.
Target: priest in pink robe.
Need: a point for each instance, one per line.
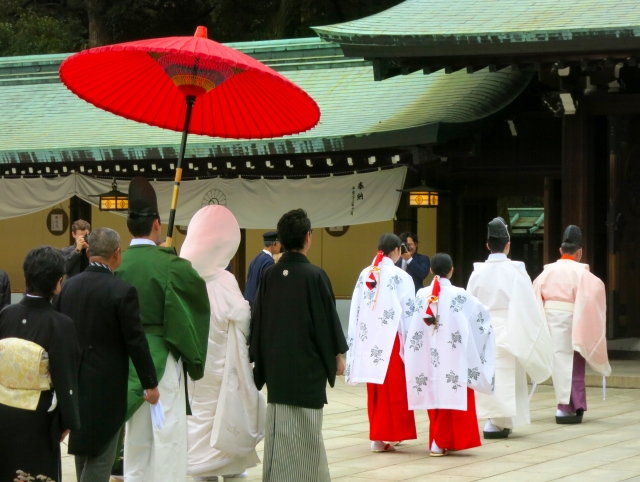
(575, 309)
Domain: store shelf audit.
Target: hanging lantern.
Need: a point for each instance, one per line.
(113, 200)
(423, 199)
(423, 196)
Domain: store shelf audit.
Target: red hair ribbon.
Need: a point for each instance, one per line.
(431, 318)
(371, 281)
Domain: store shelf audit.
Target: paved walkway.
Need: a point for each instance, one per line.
(606, 447)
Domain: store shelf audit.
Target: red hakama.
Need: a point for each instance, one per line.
(389, 416)
(455, 429)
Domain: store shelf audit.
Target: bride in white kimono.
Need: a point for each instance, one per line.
(228, 411)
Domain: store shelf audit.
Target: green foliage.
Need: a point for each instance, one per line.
(55, 26)
(31, 30)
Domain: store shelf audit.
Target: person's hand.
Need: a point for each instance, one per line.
(340, 365)
(81, 243)
(406, 256)
(152, 395)
(64, 435)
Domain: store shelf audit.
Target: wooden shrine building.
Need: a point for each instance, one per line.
(529, 110)
(570, 143)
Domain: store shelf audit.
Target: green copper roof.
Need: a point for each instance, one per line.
(421, 22)
(41, 121)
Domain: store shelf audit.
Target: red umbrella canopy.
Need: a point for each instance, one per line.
(148, 81)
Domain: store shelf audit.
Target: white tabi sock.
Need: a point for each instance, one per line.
(236, 476)
(560, 413)
(490, 427)
(380, 445)
(435, 449)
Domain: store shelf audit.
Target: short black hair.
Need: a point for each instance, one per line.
(497, 245)
(141, 226)
(293, 228)
(441, 264)
(409, 234)
(388, 242)
(569, 248)
(268, 244)
(43, 267)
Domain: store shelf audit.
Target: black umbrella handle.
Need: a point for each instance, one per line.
(176, 184)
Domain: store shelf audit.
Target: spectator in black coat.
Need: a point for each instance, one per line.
(105, 312)
(415, 264)
(5, 290)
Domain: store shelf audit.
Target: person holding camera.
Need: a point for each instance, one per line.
(76, 254)
(415, 264)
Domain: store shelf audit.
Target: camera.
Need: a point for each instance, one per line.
(86, 238)
(403, 249)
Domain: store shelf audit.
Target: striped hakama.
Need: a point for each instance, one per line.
(293, 447)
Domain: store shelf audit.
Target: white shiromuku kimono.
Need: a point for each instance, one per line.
(375, 318)
(575, 310)
(523, 342)
(442, 360)
(229, 412)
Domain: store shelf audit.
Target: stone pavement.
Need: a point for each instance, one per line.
(605, 447)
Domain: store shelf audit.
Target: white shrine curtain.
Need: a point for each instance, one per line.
(257, 204)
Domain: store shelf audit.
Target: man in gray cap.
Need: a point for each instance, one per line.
(575, 309)
(260, 263)
(523, 343)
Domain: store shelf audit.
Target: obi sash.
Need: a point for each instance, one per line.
(24, 373)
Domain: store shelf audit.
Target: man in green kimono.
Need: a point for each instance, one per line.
(174, 310)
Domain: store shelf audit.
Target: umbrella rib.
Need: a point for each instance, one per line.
(276, 104)
(123, 79)
(99, 86)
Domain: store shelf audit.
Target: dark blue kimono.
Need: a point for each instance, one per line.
(259, 264)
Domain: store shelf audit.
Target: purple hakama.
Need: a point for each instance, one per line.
(578, 398)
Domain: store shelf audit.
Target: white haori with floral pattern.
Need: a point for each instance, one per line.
(442, 360)
(375, 318)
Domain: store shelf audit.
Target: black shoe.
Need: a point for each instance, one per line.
(504, 433)
(570, 420)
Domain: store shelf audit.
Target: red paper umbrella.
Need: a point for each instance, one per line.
(193, 85)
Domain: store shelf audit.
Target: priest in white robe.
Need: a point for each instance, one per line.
(229, 412)
(523, 342)
(449, 354)
(381, 308)
(575, 310)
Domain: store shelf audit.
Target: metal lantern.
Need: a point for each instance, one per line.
(423, 199)
(423, 196)
(113, 200)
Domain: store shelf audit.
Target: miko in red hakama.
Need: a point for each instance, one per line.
(389, 416)
(455, 429)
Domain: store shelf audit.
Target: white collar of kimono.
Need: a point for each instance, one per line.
(386, 261)
(268, 252)
(141, 241)
(443, 282)
(497, 257)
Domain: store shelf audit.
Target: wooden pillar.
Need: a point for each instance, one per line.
(239, 261)
(552, 219)
(613, 209)
(578, 179)
(406, 216)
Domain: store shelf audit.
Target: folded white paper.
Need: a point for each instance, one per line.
(157, 414)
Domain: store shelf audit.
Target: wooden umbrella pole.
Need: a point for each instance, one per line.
(176, 185)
